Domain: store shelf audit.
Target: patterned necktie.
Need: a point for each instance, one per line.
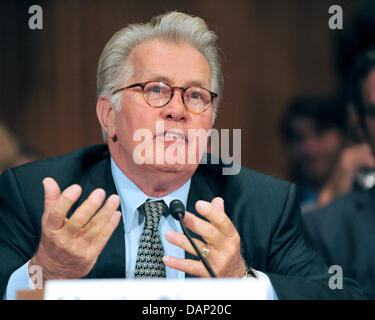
(149, 262)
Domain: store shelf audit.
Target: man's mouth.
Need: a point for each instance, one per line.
(173, 136)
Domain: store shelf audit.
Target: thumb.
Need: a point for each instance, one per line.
(51, 194)
(218, 203)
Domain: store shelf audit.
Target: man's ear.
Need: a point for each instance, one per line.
(106, 115)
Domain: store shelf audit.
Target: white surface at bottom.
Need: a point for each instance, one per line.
(188, 289)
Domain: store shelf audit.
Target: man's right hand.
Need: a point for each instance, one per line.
(69, 248)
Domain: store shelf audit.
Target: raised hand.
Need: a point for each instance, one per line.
(70, 247)
(221, 238)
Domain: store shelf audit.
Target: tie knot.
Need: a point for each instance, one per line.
(153, 211)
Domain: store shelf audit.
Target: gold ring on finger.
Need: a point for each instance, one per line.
(205, 251)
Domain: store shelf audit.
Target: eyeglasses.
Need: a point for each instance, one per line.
(157, 94)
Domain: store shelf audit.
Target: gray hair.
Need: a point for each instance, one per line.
(114, 67)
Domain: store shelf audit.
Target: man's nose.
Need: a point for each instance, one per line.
(175, 109)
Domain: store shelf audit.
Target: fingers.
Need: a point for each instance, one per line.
(106, 232)
(51, 193)
(195, 268)
(57, 206)
(219, 227)
(214, 212)
(85, 211)
(218, 203)
(101, 218)
(205, 229)
(88, 209)
(183, 242)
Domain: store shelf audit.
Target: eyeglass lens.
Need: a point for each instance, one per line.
(158, 94)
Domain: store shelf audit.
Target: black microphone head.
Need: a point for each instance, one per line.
(177, 209)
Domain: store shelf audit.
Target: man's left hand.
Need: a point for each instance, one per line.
(221, 238)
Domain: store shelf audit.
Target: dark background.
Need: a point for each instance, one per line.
(273, 50)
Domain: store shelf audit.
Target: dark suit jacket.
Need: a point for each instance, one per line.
(344, 234)
(263, 209)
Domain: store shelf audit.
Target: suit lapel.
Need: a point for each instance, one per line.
(111, 261)
(199, 190)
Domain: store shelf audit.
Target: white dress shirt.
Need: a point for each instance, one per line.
(131, 198)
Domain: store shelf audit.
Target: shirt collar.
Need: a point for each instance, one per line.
(132, 197)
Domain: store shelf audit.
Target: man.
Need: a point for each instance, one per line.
(343, 232)
(324, 163)
(314, 132)
(164, 74)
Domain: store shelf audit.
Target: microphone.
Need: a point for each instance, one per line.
(177, 209)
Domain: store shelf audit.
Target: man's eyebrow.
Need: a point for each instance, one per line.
(192, 83)
(196, 84)
(158, 78)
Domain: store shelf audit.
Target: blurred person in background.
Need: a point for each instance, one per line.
(344, 231)
(324, 160)
(12, 152)
(27, 154)
(8, 148)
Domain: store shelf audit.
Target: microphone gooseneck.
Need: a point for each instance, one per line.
(177, 210)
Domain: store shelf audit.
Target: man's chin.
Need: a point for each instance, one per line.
(174, 167)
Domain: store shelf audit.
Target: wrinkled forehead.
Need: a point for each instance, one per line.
(176, 63)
